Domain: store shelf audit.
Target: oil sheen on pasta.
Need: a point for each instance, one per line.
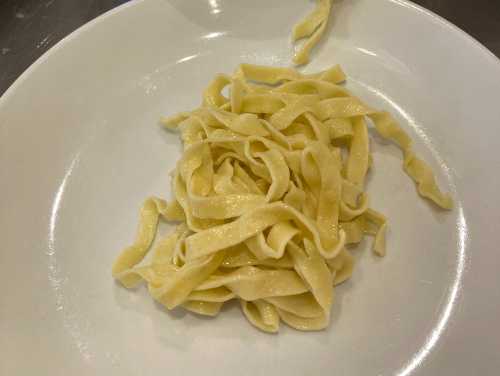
(267, 194)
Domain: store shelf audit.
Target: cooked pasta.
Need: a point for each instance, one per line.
(268, 193)
(312, 27)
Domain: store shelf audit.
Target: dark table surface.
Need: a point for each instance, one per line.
(28, 28)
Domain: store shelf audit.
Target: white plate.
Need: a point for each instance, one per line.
(80, 149)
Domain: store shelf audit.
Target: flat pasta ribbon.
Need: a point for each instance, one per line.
(311, 27)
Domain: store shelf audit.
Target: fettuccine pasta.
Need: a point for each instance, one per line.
(268, 193)
(312, 28)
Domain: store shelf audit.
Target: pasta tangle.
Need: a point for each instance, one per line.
(268, 194)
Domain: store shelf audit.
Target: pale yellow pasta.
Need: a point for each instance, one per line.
(268, 192)
(311, 27)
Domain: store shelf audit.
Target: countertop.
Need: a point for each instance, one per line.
(28, 28)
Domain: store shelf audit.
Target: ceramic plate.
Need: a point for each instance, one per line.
(80, 148)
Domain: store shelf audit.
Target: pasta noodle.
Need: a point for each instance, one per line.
(268, 193)
(312, 27)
